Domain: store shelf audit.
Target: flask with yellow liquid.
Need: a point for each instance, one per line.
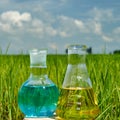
(77, 100)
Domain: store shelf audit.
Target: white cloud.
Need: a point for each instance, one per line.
(94, 27)
(43, 29)
(116, 34)
(106, 38)
(5, 27)
(69, 26)
(50, 31)
(79, 24)
(64, 34)
(102, 14)
(36, 27)
(66, 26)
(14, 21)
(15, 18)
(74, 26)
(98, 28)
(117, 30)
(53, 46)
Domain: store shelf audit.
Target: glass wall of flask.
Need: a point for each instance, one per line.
(77, 100)
(38, 96)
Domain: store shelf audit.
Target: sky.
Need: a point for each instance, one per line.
(55, 24)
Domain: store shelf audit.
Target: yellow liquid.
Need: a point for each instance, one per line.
(77, 104)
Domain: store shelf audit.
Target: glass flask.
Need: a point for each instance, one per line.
(77, 100)
(38, 96)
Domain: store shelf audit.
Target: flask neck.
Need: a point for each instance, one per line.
(75, 59)
(38, 71)
(38, 62)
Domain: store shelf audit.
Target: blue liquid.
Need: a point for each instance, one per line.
(38, 101)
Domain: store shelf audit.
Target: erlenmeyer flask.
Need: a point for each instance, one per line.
(38, 96)
(77, 100)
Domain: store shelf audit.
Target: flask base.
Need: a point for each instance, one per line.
(59, 118)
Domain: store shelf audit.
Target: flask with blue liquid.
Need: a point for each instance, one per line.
(38, 96)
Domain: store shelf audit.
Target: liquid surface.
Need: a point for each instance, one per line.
(77, 104)
(38, 101)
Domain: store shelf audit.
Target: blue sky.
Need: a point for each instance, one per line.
(54, 24)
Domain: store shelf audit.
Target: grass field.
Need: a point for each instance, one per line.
(104, 72)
